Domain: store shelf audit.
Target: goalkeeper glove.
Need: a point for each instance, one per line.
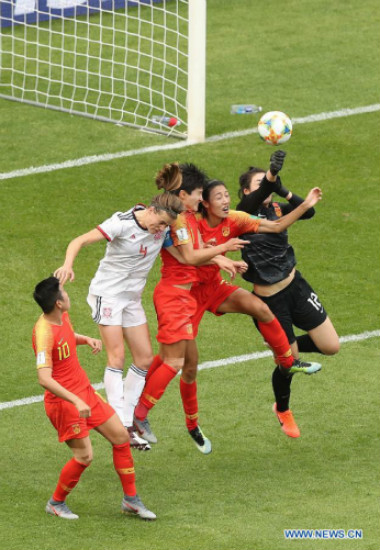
(276, 162)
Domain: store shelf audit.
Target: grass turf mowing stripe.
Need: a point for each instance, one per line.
(206, 365)
(32, 170)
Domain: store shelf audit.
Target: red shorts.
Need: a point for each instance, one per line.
(66, 420)
(209, 297)
(175, 308)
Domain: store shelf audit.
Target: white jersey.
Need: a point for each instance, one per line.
(130, 254)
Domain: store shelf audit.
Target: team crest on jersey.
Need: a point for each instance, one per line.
(277, 209)
(76, 429)
(107, 312)
(158, 236)
(226, 231)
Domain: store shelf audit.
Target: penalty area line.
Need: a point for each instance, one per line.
(206, 365)
(93, 159)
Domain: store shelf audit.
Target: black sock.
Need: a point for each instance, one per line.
(306, 344)
(281, 388)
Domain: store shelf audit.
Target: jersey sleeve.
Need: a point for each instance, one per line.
(243, 223)
(252, 201)
(180, 231)
(112, 227)
(292, 204)
(43, 344)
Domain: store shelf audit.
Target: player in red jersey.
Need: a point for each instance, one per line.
(175, 305)
(217, 224)
(73, 406)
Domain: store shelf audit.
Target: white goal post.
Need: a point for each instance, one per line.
(138, 63)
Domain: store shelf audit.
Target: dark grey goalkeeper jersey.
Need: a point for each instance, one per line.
(269, 256)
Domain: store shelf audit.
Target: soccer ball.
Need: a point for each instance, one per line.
(275, 128)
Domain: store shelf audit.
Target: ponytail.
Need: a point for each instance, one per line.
(169, 177)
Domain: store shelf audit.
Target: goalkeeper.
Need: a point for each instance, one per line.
(271, 268)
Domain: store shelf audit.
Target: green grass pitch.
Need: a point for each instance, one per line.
(299, 57)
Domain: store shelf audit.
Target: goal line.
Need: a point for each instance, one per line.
(94, 159)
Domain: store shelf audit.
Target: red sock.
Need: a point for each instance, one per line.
(274, 334)
(190, 403)
(154, 389)
(69, 477)
(153, 367)
(123, 462)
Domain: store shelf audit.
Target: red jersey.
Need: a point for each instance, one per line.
(55, 347)
(184, 230)
(236, 224)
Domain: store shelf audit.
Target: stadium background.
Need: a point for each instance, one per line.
(303, 58)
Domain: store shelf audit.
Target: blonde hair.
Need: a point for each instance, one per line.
(168, 203)
(169, 177)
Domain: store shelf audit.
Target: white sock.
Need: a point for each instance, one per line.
(113, 383)
(133, 386)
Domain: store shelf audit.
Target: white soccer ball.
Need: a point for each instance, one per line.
(275, 128)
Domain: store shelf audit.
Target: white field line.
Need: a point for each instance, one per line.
(32, 170)
(207, 365)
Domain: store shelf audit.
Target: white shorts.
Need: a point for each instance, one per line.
(118, 310)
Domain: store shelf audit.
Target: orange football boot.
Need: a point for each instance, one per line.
(288, 424)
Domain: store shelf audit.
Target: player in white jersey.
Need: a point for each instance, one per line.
(134, 240)
(130, 254)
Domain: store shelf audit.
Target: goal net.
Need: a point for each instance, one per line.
(136, 63)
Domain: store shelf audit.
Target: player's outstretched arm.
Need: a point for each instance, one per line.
(66, 272)
(203, 255)
(266, 226)
(232, 267)
(250, 202)
(226, 264)
(94, 343)
(46, 380)
(240, 265)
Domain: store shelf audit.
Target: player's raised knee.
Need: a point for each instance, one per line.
(331, 348)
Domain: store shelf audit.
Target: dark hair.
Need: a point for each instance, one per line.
(46, 294)
(167, 202)
(245, 179)
(211, 184)
(192, 178)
